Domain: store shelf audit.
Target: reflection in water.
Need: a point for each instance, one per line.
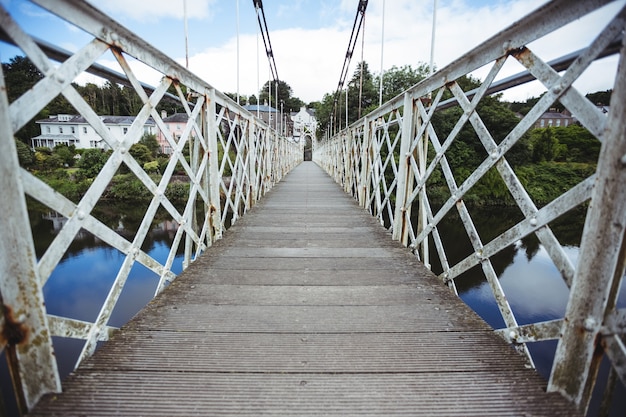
(533, 285)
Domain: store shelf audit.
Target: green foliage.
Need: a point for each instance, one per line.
(544, 145)
(398, 79)
(546, 181)
(91, 162)
(128, 187)
(151, 167)
(177, 192)
(25, 154)
(285, 95)
(150, 141)
(141, 153)
(66, 153)
(600, 97)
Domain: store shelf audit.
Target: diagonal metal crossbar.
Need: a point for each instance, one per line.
(229, 158)
(390, 159)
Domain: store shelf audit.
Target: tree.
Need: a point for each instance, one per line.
(545, 145)
(285, 96)
(141, 153)
(600, 97)
(398, 79)
(150, 141)
(25, 154)
(66, 154)
(92, 161)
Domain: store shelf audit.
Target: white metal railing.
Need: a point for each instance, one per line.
(219, 135)
(387, 159)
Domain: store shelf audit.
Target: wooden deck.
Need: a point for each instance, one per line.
(306, 307)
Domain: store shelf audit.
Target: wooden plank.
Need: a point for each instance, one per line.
(306, 307)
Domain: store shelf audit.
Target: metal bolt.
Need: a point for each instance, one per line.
(60, 78)
(495, 155)
(513, 335)
(590, 324)
(80, 215)
(623, 160)
(533, 222)
(122, 151)
(557, 89)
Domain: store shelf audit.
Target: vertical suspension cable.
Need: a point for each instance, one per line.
(432, 39)
(186, 34)
(258, 70)
(237, 2)
(382, 49)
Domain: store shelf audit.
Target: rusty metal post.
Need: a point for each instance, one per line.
(25, 331)
(214, 170)
(405, 177)
(601, 261)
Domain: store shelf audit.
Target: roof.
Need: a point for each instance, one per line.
(56, 137)
(255, 107)
(177, 118)
(75, 119)
(554, 115)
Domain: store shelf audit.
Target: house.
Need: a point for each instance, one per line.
(176, 124)
(273, 117)
(68, 129)
(553, 118)
(266, 113)
(304, 123)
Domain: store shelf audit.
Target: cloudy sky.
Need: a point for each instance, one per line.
(310, 37)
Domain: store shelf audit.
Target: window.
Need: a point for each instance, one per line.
(543, 123)
(48, 129)
(84, 129)
(73, 129)
(558, 122)
(125, 130)
(60, 129)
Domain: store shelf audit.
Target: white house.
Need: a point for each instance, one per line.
(304, 123)
(74, 130)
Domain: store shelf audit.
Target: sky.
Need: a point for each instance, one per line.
(310, 38)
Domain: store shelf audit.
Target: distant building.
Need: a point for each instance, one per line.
(304, 123)
(176, 124)
(553, 118)
(267, 113)
(68, 129)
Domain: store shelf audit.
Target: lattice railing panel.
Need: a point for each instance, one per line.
(444, 116)
(227, 158)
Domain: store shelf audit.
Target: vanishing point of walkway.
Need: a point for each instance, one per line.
(306, 307)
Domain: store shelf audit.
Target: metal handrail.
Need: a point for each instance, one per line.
(386, 159)
(219, 135)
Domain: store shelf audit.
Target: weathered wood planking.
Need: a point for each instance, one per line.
(306, 307)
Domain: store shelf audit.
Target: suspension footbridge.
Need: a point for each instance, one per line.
(306, 287)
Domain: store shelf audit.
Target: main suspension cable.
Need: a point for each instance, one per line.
(258, 5)
(356, 28)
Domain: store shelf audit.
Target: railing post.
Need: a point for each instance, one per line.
(600, 263)
(365, 166)
(252, 139)
(405, 177)
(214, 171)
(25, 330)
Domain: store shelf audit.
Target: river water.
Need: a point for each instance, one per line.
(80, 283)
